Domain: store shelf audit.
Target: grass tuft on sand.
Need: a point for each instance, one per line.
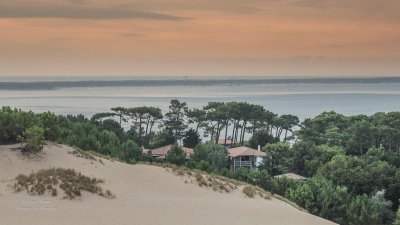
(55, 179)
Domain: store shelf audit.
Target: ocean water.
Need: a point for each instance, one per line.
(304, 99)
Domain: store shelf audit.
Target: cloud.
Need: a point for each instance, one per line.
(79, 2)
(361, 9)
(78, 12)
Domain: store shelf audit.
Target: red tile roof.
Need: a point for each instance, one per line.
(161, 152)
(292, 176)
(228, 142)
(245, 151)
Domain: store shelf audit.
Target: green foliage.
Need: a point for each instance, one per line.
(176, 155)
(275, 162)
(359, 175)
(281, 185)
(330, 200)
(113, 126)
(261, 137)
(13, 122)
(162, 138)
(210, 157)
(353, 162)
(303, 196)
(175, 118)
(315, 129)
(191, 139)
(360, 138)
(304, 158)
(363, 211)
(49, 122)
(34, 138)
(131, 151)
(397, 221)
(110, 144)
(143, 120)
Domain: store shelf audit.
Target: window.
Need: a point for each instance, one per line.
(245, 158)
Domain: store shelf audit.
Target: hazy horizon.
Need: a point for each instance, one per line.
(199, 38)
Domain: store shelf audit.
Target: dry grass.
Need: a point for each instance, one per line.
(85, 155)
(202, 179)
(53, 180)
(217, 183)
(249, 191)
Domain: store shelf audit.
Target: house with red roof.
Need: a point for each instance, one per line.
(245, 157)
(161, 152)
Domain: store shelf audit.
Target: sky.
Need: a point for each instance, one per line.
(200, 38)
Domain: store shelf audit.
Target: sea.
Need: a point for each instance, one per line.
(304, 97)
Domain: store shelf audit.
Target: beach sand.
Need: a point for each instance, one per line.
(145, 195)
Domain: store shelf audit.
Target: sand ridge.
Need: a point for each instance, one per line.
(145, 195)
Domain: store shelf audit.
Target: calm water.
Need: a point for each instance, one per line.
(302, 99)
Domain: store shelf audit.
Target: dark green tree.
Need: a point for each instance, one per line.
(261, 138)
(131, 151)
(175, 118)
(120, 112)
(363, 211)
(303, 158)
(276, 160)
(191, 139)
(176, 155)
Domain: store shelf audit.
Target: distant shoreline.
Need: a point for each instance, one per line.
(54, 85)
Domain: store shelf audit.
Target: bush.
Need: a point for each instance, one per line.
(210, 157)
(191, 139)
(34, 138)
(71, 182)
(363, 210)
(249, 191)
(131, 151)
(261, 137)
(176, 155)
(397, 221)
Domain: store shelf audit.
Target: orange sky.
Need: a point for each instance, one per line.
(200, 37)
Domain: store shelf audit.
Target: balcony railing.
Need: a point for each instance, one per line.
(243, 163)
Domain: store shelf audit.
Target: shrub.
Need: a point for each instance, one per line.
(71, 182)
(34, 138)
(249, 191)
(176, 155)
(397, 221)
(191, 139)
(210, 157)
(131, 151)
(363, 210)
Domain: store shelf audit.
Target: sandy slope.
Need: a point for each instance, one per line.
(145, 195)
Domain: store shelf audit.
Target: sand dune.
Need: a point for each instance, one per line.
(145, 195)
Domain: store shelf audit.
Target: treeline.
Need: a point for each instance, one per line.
(218, 120)
(352, 162)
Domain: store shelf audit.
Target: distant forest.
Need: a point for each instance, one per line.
(352, 162)
(52, 85)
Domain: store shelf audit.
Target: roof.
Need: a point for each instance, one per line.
(245, 151)
(292, 176)
(161, 152)
(228, 142)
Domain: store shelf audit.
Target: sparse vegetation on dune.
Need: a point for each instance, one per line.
(219, 183)
(53, 180)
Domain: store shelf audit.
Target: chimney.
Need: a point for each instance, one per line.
(259, 148)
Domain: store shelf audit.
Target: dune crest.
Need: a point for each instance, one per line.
(146, 195)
